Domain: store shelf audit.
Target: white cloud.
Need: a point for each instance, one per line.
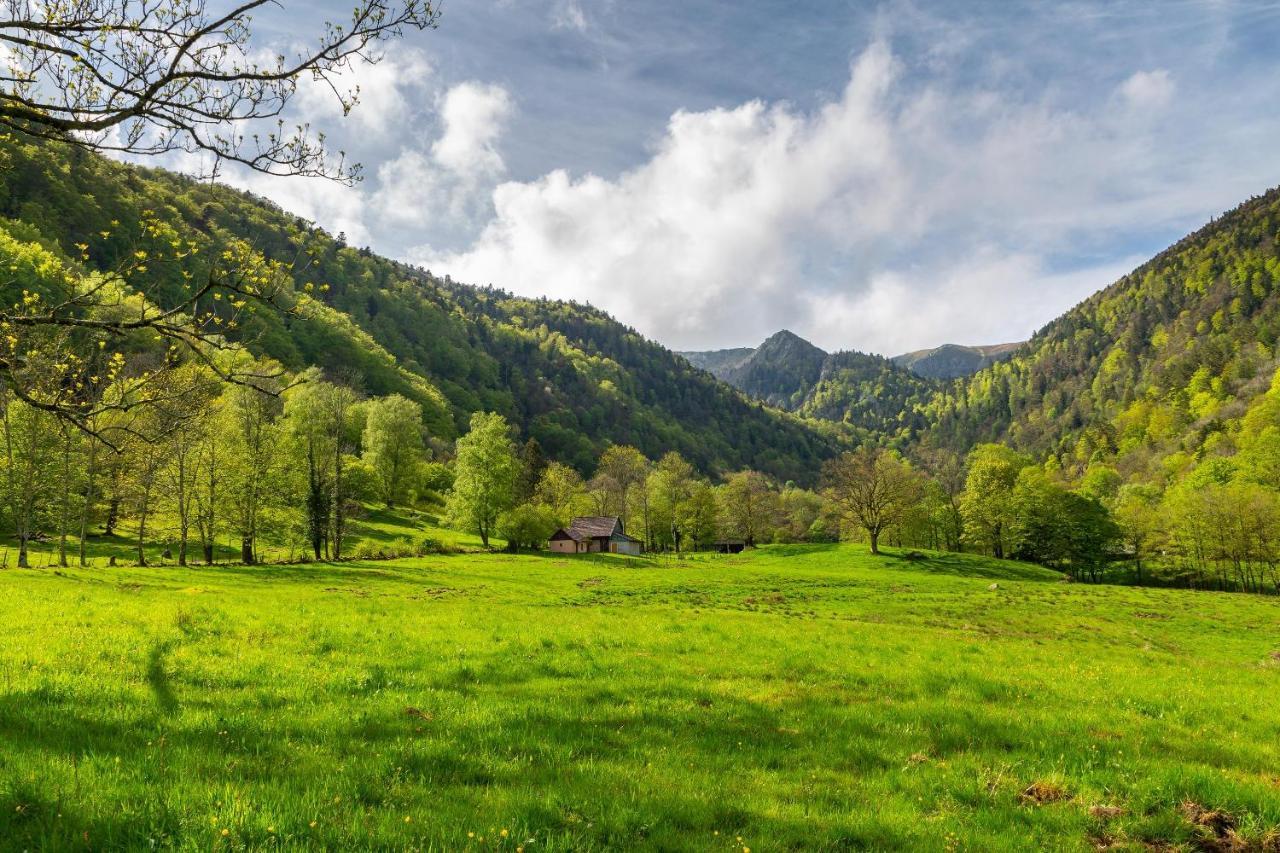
(1148, 89)
(845, 223)
(990, 296)
(441, 186)
(473, 116)
(388, 92)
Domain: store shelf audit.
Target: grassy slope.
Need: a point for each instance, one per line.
(798, 697)
(374, 524)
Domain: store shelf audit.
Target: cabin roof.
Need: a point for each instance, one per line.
(595, 526)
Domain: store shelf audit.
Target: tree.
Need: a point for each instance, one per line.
(748, 507)
(336, 404)
(188, 424)
(30, 450)
(1137, 511)
(392, 443)
(873, 489)
(74, 475)
(987, 505)
(621, 469)
(146, 78)
(251, 434)
(561, 489)
(668, 490)
(1060, 529)
(533, 463)
(697, 518)
(484, 475)
(305, 422)
(207, 488)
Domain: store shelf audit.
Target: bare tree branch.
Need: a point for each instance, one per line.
(146, 78)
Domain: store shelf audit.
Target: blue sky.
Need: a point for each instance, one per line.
(880, 176)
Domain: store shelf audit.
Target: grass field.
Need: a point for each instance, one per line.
(797, 697)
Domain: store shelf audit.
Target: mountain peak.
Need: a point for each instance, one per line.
(787, 341)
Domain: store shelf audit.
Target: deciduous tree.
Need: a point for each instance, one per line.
(873, 489)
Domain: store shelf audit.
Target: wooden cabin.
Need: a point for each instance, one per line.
(595, 534)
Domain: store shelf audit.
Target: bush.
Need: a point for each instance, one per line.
(369, 549)
(527, 526)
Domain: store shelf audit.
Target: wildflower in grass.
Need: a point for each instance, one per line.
(313, 824)
(408, 819)
(225, 832)
(471, 835)
(504, 833)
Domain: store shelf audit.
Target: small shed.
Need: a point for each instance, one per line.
(593, 534)
(730, 546)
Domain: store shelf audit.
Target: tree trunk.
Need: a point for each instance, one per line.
(113, 513)
(64, 517)
(88, 500)
(208, 552)
(246, 550)
(142, 528)
(875, 541)
(22, 552)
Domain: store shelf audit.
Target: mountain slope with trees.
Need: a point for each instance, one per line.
(1163, 363)
(871, 394)
(566, 374)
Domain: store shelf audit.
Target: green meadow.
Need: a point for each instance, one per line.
(795, 697)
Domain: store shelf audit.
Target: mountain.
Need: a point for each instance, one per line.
(717, 362)
(566, 374)
(951, 361)
(875, 397)
(778, 371)
(1172, 365)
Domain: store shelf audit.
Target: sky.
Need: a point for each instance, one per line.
(875, 176)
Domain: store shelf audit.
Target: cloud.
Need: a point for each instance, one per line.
(388, 92)
(568, 15)
(473, 115)
(989, 296)
(1148, 89)
(444, 186)
(856, 222)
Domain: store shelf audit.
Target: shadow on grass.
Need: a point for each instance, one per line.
(158, 677)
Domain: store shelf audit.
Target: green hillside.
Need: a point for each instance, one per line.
(1166, 361)
(538, 703)
(565, 374)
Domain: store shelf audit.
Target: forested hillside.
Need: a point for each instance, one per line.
(870, 394)
(1153, 372)
(565, 374)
